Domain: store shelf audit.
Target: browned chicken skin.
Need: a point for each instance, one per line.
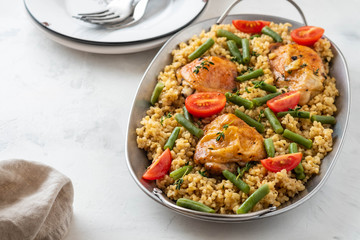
(240, 144)
(299, 68)
(218, 75)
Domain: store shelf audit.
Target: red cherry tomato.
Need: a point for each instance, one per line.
(307, 35)
(205, 104)
(250, 26)
(284, 102)
(288, 162)
(160, 167)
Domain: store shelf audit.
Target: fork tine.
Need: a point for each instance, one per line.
(116, 20)
(93, 13)
(102, 17)
(121, 25)
(99, 15)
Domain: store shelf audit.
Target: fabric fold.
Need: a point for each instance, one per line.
(35, 201)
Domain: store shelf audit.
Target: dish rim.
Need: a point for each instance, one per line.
(253, 215)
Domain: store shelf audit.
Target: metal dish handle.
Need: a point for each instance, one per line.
(226, 12)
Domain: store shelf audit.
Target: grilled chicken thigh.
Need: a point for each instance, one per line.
(210, 74)
(239, 143)
(298, 68)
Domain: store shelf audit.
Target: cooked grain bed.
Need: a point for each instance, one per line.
(219, 193)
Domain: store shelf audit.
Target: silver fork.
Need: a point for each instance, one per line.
(139, 12)
(116, 12)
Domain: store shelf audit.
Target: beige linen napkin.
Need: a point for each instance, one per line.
(35, 201)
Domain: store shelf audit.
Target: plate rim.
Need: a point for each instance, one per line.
(112, 43)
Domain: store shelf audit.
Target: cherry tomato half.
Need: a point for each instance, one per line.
(288, 162)
(205, 104)
(250, 26)
(160, 167)
(284, 102)
(307, 35)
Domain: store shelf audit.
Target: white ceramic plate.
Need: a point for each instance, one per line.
(162, 18)
(103, 49)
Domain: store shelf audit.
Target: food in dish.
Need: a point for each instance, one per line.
(265, 142)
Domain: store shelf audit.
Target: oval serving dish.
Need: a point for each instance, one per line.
(137, 160)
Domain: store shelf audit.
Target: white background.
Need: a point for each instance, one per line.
(69, 109)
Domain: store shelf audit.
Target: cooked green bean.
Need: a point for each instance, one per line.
(255, 36)
(268, 31)
(187, 114)
(262, 100)
(274, 122)
(233, 48)
(299, 172)
(299, 169)
(297, 138)
(254, 74)
(180, 172)
(239, 100)
(293, 148)
(171, 140)
(229, 36)
(254, 198)
(201, 49)
(156, 93)
(299, 114)
(246, 50)
(323, 119)
(194, 205)
(237, 182)
(264, 86)
(258, 126)
(189, 126)
(269, 147)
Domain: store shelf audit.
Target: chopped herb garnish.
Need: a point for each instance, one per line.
(303, 65)
(181, 180)
(203, 65)
(300, 55)
(247, 90)
(178, 183)
(261, 115)
(293, 58)
(258, 84)
(289, 71)
(253, 53)
(164, 117)
(220, 135)
(211, 148)
(241, 171)
(202, 173)
(226, 126)
(316, 72)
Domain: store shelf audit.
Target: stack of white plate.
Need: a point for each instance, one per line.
(161, 20)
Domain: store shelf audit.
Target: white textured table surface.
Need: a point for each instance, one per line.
(69, 109)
